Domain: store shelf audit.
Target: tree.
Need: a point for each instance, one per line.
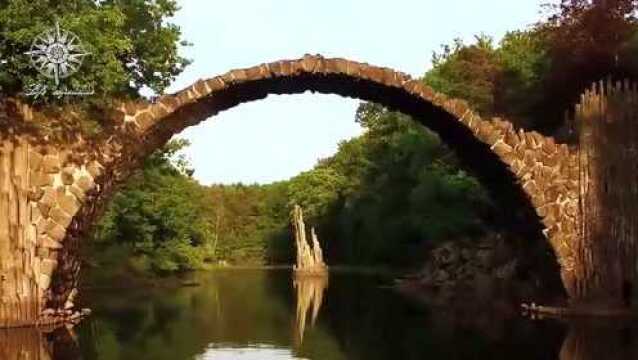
(587, 41)
(162, 215)
(468, 72)
(523, 58)
(131, 44)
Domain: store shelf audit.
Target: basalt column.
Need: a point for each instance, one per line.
(21, 284)
(42, 189)
(605, 251)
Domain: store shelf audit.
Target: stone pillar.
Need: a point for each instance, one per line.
(604, 269)
(42, 188)
(22, 282)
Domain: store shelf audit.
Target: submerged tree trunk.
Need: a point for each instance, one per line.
(309, 258)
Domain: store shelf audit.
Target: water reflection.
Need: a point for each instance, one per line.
(600, 339)
(262, 352)
(38, 344)
(248, 315)
(309, 292)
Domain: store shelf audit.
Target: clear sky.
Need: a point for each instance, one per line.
(276, 138)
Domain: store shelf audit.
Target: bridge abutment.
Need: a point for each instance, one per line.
(43, 185)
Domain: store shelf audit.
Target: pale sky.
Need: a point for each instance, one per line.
(280, 136)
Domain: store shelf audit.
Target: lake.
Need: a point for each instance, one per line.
(264, 314)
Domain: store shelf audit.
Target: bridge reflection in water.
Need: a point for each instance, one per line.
(597, 339)
(39, 344)
(309, 292)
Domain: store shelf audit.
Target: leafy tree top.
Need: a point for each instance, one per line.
(131, 44)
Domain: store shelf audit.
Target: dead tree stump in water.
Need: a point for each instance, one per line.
(309, 258)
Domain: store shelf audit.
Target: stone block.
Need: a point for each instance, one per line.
(501, 148)
(48, 266)
(85, 183)
(46, 242)
(56, 231)
(41, 224)
(376, 74)
(36, 194)
(60, 216)
(44, 281)
(413, 86)
(94, 168)
(35, 160)
(239, 75)
(130, 108)
(36, 214)
(200, 88)
(170, 102)
(67, 175)
(77, 192)
(144, 120)
(276, 69)
(353, 68)
(483, 130)
(341, 65)
(39, 179)
(215, 84)
(41, 253)
(309, 62)
(159, 111)
(117, 117)
(253, 73)
(494, 136)
(49, 197)
(51, 164)
(69, 204)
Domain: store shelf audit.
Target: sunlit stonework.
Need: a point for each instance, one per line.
(57, 53)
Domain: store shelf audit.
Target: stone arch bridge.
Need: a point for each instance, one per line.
(51, 191)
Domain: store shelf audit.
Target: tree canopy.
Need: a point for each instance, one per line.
(131, 44)
(533, 76)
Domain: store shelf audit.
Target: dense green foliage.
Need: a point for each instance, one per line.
(382, 199)
(130, 44)
(495, 80)
(164, 221)
(532, 77)
(159, 218)
(387, 195)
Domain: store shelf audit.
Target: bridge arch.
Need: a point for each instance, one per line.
(522, 170)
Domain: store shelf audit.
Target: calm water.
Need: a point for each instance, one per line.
(261, 314)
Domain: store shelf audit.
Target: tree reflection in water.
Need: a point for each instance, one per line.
(309, 292)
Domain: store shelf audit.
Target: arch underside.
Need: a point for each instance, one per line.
(476, 155)
(527, 173)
